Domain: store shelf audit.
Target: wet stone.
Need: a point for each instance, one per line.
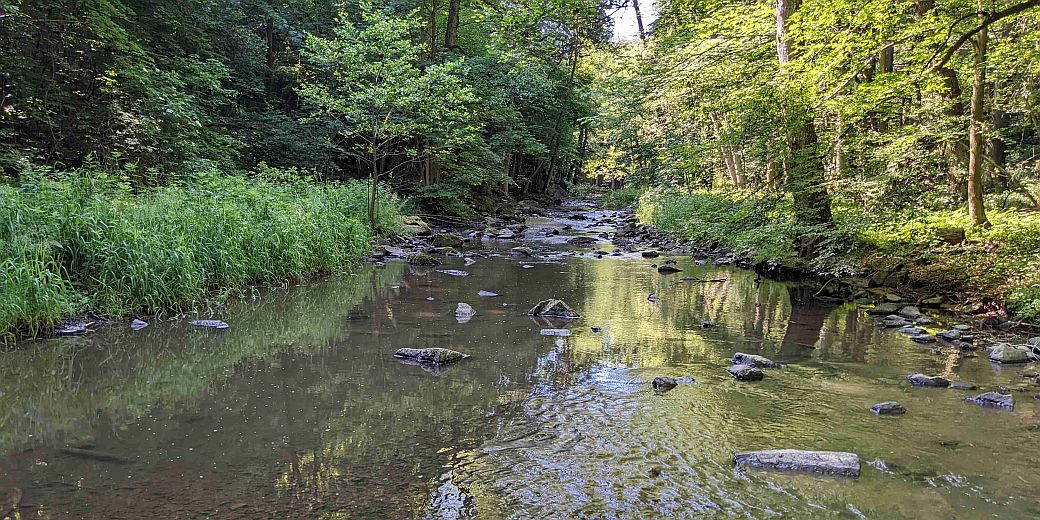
(213, 324)
(912, 331)
(138, 324)
(923, 380)
(430, 355)
(963, 385)
(922, 338)
(993, 400)
(663, 384)
(888, 408)
(552, 308)
(453, 272)
(754, 360)
(745, 373)
(820, 462)
(1007, 354)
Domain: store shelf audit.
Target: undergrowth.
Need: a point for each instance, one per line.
(1001, 262)
(83, 241)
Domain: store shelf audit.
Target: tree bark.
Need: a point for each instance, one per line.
(451, 33)
(805, 168)
(639, 20)
(976, 139)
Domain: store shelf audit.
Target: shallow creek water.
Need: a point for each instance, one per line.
(300, 410)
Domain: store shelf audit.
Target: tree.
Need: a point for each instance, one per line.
(367, 76)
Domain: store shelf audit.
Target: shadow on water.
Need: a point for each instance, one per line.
(301, 410)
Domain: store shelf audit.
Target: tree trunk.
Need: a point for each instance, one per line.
(805, 178)
(451, 33)
(976, 139)
(373, 178)
(431, 27)
(955, 151)
(639, 20)
(999, 121)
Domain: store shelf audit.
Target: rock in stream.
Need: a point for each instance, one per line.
(834, 463)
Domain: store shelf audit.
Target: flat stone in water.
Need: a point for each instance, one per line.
(885, 309)
(993, 400)
(754, 360)
(834, 463)
(1007, 354)
(961, 385)
(912, 331)
(888, 408)
(922, 338)
(453, 272)
(213, 324)
(430, 355)
(923, 380)
(487, 294)
(138, 324)
(555, 332)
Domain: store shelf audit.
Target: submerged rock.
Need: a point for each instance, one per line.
(552, 308)
(834, 463)
(923, 380)
(754, 360)
(665, 269)
(993, 400)
(213, 324)
(664, 384)
(1007, 354)
(649, 254)
(138, 324)
(555, 332)
(888, 408)
(522, 251)
(922, 338)
(432, 356)
(745, 373)
(962, 385)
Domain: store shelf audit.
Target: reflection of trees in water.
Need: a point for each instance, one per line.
(55, 390)
(668, 332)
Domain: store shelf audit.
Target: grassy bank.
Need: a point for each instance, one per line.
(83, 241)
(999, 263)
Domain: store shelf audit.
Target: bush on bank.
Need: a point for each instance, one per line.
(84, 241)
(1000, 262)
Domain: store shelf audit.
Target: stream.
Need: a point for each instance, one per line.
(300, 410)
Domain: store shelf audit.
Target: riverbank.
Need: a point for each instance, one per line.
(931, 258)
(85, 243)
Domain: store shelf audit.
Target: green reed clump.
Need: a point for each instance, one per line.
(83, 241)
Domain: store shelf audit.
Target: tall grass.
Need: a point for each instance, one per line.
(83, 241)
